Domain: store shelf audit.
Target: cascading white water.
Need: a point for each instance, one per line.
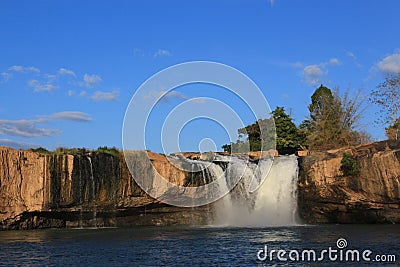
(205, 172)
(80, 200)
(94, 209)
(273, 204)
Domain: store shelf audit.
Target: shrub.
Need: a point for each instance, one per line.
(40, 150)
(349, 165)
(72, 151)
(111, 151)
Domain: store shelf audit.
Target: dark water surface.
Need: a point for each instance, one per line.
(193, 246)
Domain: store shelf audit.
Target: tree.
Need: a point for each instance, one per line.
(387, 96)
(351, 112)
(260, 135)
(227, 148)
(334, 119)
(323, 126)
(393, 132)
(254, 137)
(288, 137)
(253, 133)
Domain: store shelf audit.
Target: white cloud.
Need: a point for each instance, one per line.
(91, 79)
(390, 64)
(334, 62)
(350, 54)
(64, 71)
(164, 96)
(70, 93)
(16, 144)
(38, 87)
(272, 2)
(5, 76)
(23, 69)
(297, 65)
(105, 96)
(312, 74)
(71, 116)
(29, 128)
(198, 100)
(25, 128)
(16, 68)
(353, 57)
(162, 53)
(301, 65)
(82, 93)
(50, 77)
(33, 69)
(173, 95)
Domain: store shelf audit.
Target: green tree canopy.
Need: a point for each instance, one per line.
(288, 137)
(260, 136)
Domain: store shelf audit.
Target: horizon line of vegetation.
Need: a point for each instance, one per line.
(78, 151)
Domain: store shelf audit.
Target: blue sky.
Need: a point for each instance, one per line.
(68, 69)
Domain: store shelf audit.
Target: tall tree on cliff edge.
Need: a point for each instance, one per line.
(322, 126)
(333, 120)
(387, 96)
(324, 118)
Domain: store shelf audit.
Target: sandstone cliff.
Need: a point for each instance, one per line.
(372, 196)
(95, 189)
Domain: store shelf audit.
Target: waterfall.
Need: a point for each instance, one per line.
(93, 192)
(264, 193)
(115, 200)
(273, 204)
(80, 199)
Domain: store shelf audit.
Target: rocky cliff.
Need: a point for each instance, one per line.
(371, 196)
(97, 189)
(94, 189)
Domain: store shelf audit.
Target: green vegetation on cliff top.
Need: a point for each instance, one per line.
(78, 151)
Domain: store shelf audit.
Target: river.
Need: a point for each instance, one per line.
(199, 246)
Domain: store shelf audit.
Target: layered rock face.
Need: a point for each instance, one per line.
(372, 196)
(40, 190)
(22, 178)
(97, 189)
